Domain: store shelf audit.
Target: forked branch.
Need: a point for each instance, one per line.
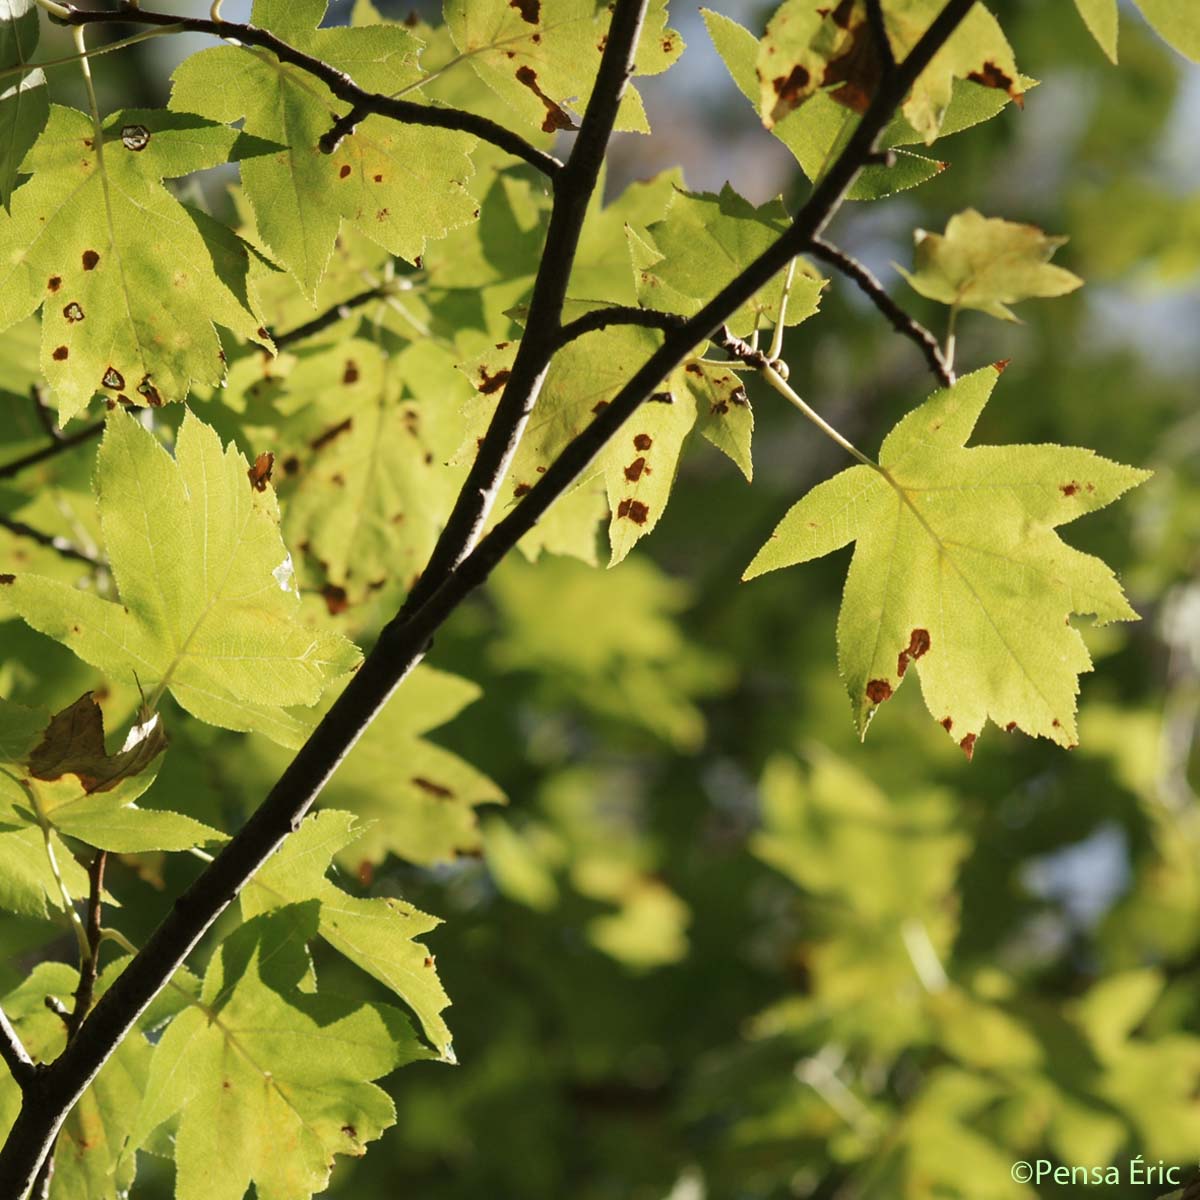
(451, 577)
(338, 82)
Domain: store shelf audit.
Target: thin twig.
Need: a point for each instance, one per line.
(339, 312)
(618, 314)
(8, 470)
(12, 1051)
(401, 645)
(338, 82)
(901, 321)
(59, 545)
(44, 415)
(89, 968)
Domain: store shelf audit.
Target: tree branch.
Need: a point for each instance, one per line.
(338, 82)
(339, 312)
(51, 542)
(90, 967)
(900, 320)
(883, 47)
(404, 641)
(12, 1051)
(8, 470)
(572, 194)
(617, 314)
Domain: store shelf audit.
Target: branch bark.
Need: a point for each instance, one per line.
(51, 450)
(12, 1051)
(900, 320)
(403, 642)
(338, 82)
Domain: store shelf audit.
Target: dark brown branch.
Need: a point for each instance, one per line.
(900, 320)
(59, 545)
(90, 967)
(617, 314)
(883, 47)
(741, 350)
(12, 1051)
(572, 193)
(338, 82)
(50, 451)
(401, 645)
(339, 312)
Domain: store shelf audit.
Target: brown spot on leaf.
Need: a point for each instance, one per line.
(334, 431)
(377, 178)
(150, 393)
(260, 473)
(788, 87)
(429, 960)
(335, 599)
(1068, 489)
(879, 690)
(73, 312)
(383, 214)
(947, 723)
(90, 260)
(918, 644)
(530, 10)
(999, 365)
(521, 489)
(113, 379)
(60, 353)
(853, 76)
(433, 789)
(1055, 723)
(643, 441)
(1010, 727)
(555, 117)
(633, 472)
(5, 580)
(54, 282)
(350, 1132)
(599, 406)
(635, 510)
(345, 171)
(492, 383)
(366, 872)
(350, 374)
(967, 745)
(990, 75)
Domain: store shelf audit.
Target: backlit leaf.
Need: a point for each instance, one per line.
(269, 1081)
(376, 934)
(400, 185)
(986, 263)
(208, 608)
(24, 105)
(83, 242)
(957, 571)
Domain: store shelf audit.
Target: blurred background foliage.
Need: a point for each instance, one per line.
(713, 946)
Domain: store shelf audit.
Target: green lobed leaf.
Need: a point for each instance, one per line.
(416, 799)
(957, 571)
(376, 934)
(703, 243)
(987, 264)
(401, 185)
(208, 604)
(84, 241)
(269, 1081)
